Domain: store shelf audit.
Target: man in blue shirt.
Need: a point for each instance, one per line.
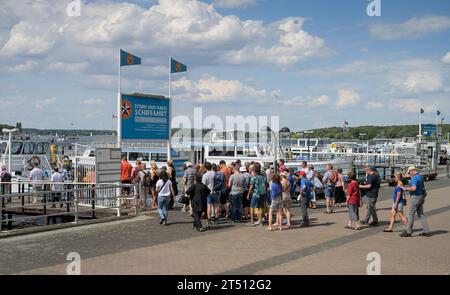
(417, 193)
(305, 197)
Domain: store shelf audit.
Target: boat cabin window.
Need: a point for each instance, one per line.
(3, 146)
(221, 152)
(41, 148)
(16, 147)
(159, 157)
(140, 156)
(28, 148)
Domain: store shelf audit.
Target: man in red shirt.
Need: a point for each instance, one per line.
(126, 177)
(354, 202)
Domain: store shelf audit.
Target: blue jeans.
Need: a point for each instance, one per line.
(163, 206)
(236, 207)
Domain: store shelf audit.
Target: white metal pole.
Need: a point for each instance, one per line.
(9, 152)
(170, 111)
(119, 101)
(420, 126)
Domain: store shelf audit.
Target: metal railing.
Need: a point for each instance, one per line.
(21, 203)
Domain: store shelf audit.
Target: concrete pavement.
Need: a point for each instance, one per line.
(142, 246)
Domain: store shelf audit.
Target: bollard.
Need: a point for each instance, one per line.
(9, 221)
(2, 204)
(76, 208)
(93, 201)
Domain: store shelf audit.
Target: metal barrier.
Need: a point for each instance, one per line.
(77, 200)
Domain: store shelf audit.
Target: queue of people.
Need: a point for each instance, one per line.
(262, 195)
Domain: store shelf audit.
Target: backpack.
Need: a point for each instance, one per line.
(260, 185)
(6, 177)
(334, 177)
(146, 180)
(219, 182)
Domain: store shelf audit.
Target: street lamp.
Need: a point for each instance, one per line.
(307, 140)
(275, 147)
(9, 131)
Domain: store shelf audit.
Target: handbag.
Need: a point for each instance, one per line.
(184, 200)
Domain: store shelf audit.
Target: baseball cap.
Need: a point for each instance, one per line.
(242, 169)
(302, 173)
(411, 168)
(189, 164)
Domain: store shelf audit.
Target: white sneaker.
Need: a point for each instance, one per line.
(256, 223)
(299, 198)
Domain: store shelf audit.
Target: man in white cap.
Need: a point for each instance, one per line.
(188, 181)
(418, 193)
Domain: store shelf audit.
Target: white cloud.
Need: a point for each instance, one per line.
(418, 81)
(294, 44)
(212, 89)
(413, 28)
(375, 105)
(413, 105)
(233, 3)
(308, 102)
(347, 98)
(446, 58)
(189, 29)
(93, 102)
(41, 104)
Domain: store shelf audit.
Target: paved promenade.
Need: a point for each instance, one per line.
(141, 246)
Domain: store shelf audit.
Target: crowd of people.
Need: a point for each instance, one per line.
(250, 193)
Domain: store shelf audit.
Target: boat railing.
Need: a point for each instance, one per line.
(21, 202)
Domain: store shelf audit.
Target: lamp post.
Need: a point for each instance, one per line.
(307, 141)
(9, 131)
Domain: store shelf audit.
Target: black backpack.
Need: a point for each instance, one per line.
(6, 177)
(146, 181)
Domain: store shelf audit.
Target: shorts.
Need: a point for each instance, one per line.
(213, 199)
(245, 201)
(276, 204)
(224, 197)
(353, 212)
(257, 202)
(329, 192)
(127, 188)
(399, 207)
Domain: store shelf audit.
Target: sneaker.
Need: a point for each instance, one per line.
(373, 223)
(256, 223)
(183, 210)
(304, 225)
(165, 222)
(202, 229)
(161, 221)
(405, 234)
(363, 222)
(425, 234)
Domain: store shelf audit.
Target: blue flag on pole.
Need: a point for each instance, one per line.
(127, 59)
(177, 67)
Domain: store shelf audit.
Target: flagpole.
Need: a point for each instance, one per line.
(420, 125)
(170, 112)
(119, 117)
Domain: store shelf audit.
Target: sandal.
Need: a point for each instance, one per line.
(388, 230)
(348, 227)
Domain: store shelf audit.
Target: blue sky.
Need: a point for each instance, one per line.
(313, 63)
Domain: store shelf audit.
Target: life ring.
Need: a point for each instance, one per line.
(33, 160)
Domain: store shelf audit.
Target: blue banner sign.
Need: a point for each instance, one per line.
(145, 117)
(429, 129)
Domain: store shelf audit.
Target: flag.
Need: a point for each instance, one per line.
(438, 113)
(177, 67)
(345, 123)
(127, 59)
(422, 111)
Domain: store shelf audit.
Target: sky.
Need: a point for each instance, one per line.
(312, 63)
